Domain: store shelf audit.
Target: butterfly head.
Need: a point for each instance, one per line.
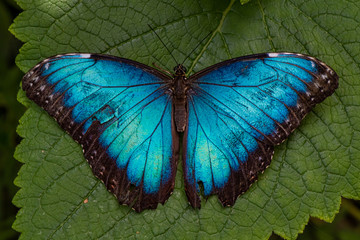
(179, 70)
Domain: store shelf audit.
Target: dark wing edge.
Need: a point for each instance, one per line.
(115, 180)
(324, 84)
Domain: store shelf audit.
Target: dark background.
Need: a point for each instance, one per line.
(345, 226)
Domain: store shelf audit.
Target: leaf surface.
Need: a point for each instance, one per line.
(319, 163)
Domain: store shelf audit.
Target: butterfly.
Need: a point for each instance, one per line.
(129, 119)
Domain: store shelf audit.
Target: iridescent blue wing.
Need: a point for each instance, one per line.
(120, 113)
(238, 110)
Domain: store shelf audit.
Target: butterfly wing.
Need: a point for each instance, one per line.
(238, 110)
(120, 113)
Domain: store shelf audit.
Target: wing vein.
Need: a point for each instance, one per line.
(217, 113)
(257, 130)
(208, 140)
(134, 118)
(277, 123)
(290, 109)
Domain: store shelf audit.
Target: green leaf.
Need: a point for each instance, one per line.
(319, 163)
(10, 112)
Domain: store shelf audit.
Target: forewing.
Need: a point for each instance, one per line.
(120, 113)
(238, 110)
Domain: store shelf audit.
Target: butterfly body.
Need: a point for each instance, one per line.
(180, 90)
(127, 117)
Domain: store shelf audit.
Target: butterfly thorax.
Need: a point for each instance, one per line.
(180, 88)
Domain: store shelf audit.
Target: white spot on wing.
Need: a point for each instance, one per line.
(87, 55)
(273, 54)
(47, 65)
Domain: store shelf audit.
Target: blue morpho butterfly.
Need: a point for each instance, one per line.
(127, 117)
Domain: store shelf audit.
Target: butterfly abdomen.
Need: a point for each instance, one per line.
(179, 98)
(180, 114)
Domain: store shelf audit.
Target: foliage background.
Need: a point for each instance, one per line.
(10, 112)
(345, 226)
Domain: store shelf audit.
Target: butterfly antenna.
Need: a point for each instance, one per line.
(163, 43)
(196, 47)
